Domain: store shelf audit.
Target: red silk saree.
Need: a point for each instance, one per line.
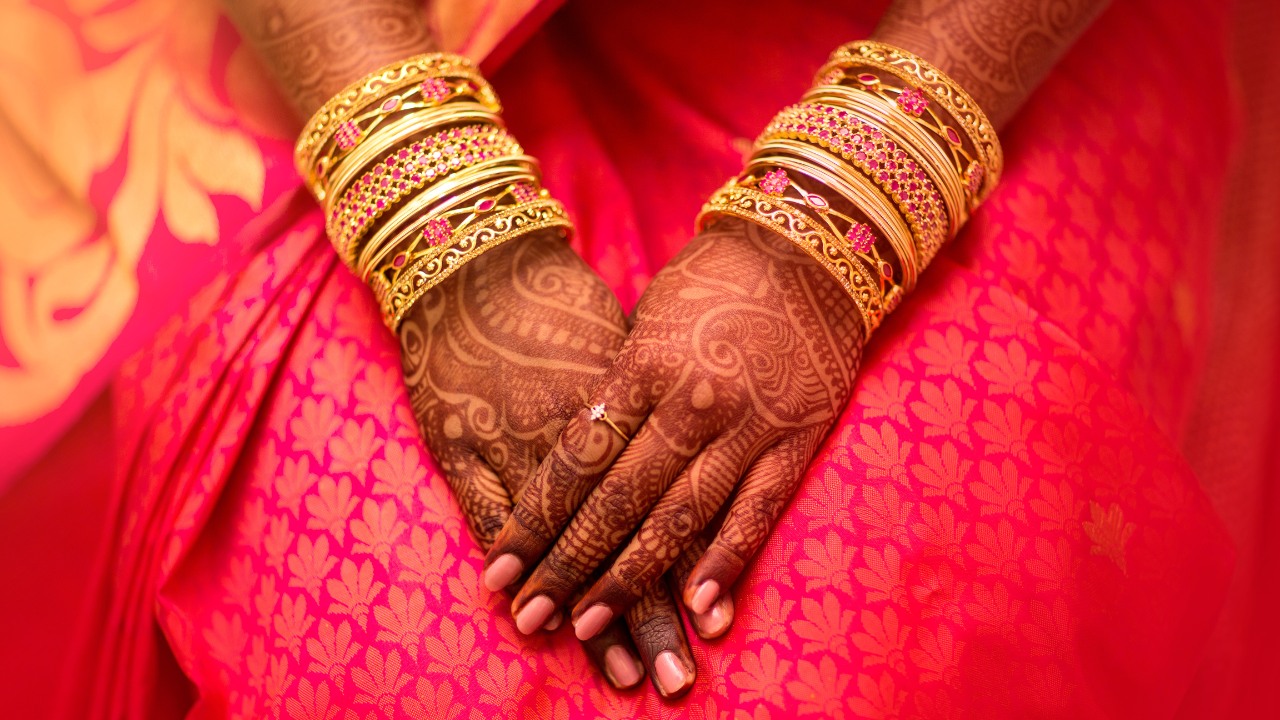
(1002, 523)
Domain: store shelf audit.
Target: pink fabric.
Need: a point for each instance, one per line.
(999, 526)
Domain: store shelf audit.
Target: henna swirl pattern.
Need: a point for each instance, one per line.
(741, 358)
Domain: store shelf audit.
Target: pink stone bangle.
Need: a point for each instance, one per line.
(867, 148)
(433, 92)
(932, 85)
(373, 89)
(460, 248)
(408, 169)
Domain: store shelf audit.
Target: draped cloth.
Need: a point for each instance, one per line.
(1001, 523)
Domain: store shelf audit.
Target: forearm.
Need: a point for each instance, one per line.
(317, 47)
(997, 50)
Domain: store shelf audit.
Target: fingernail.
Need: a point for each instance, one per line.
(592, 621)
(706, 594)
(671, 673)
(624, 670)
(502, 572)
(534, 614)
(556, 620)
(715, 620)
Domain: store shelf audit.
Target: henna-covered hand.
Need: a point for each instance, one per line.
(498, 358)
(742, 356)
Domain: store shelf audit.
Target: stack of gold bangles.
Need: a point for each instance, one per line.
(869, 174)
(418, 175)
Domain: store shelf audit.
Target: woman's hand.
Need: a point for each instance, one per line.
(742, 355)
(498, 358)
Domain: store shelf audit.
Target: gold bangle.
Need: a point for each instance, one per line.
(512, 223)
(962, 171)
(423, 163)
(770, 212)
(862, 194)
(436, 230)
(431, 203)
(374, 87)
(351, 134)
(944, 176)
(936, 85)
(392, 135)
(884, 157)
(875, 272)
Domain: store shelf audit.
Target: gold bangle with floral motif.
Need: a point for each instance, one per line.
(933, 83)
(772, 213)
(495, 230)
(376, 87)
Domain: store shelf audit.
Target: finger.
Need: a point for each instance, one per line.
(717, 618)
(601, 525)
(615, 656)
(659, 636)
(762, 496)
(671, 526)
(582, 454)
(479, 491)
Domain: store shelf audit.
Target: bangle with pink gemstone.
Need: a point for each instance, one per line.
(750, 198)
(410, 168)
(457, 190)
(926, 86)
(431, 78)
(458, 247)
(430, 93)
(434, 222)
(879, 155)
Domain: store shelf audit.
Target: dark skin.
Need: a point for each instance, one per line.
(499, 356)
(742, 356)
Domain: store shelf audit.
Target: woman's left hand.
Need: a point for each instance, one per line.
(742, 356)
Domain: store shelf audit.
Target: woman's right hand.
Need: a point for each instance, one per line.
(498, 358)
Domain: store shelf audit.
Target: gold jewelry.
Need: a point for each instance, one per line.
(424, 162)
(860, 193)
(351, 134)
(373, 88)
(737, 200)
(392, 135)
(493, 231)
(434, 228)
(863, 110)
(878, 154)
(476, 180)
(926, 78)
(598, 413)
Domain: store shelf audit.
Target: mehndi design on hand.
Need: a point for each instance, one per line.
(742, 356)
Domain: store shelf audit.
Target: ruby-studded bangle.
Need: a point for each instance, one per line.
(429, 93)
(866, 147)
(411, 168)
(373, 89)
(932, 84)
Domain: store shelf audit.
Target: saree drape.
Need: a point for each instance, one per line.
(1001, 524)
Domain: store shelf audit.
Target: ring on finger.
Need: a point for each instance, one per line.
(599, 413)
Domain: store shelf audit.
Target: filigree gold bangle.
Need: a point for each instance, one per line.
(350, 134)
(455, 190)
(771, 212)
(935, 84)
(910, 143)
(854, 188)
(328, 189)
(880, 155)
(428, 272)
(410, 168)
(374, 88)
